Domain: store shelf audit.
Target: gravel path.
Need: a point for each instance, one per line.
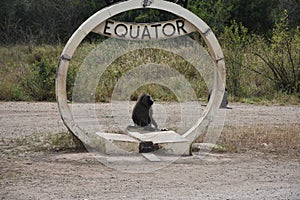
(31, 174)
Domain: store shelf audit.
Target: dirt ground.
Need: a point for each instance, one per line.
(40, 174)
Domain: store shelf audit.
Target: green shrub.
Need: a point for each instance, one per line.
(258, 69)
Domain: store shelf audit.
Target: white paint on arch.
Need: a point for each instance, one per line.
(105, 14)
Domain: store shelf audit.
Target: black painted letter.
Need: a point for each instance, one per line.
(180, 25)
(137, 32)
(156, 31)
(164, 32)
(146, 34)
(122, 34)
(107, 27)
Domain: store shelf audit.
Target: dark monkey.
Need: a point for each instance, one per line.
(142, 113)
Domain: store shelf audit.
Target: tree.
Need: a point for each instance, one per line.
(43, 21)
(256, 15)
(235, 40)
(216, 13)
(280, 56)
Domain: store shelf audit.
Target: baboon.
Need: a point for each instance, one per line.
(224, 102)
(142, 113)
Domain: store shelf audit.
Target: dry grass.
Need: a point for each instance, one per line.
(41, 142)
(283, 140)
(279, 139)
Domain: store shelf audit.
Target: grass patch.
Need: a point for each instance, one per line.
(27, 73)
(277, 98)
(41, 142)
(65, 141)
(279, 139)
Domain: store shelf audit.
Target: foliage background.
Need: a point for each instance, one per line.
(260, 39)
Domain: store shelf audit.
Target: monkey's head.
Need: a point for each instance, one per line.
(146, 99)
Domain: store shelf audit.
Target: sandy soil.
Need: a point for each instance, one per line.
(35, 174)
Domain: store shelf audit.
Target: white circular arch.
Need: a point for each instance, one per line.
(108, 12)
